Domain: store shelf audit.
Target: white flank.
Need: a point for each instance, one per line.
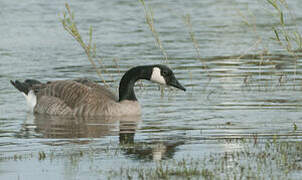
(31, 99)
(157, 77)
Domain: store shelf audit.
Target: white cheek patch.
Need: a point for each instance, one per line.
(157, 77)
(31, 99)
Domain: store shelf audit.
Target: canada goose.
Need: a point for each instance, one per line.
(81, 97)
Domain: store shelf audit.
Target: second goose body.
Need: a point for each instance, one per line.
(81, 97)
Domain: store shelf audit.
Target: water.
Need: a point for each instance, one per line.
(241, 94)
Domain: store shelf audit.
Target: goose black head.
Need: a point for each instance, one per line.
(163, 75)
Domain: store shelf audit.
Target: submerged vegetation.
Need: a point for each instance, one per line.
(257, 159)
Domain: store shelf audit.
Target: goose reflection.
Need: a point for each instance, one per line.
(58, 127)
(94, 127)
(153, 151)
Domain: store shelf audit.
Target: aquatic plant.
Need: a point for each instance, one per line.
(187, 21)
(284, 32)
(69, 24)
(285, 35)
(42, 155)
(288, 38)
(258, 158)
(149, 16)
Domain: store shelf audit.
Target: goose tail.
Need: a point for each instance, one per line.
(26, 88)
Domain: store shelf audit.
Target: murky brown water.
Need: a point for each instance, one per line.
(243, 92)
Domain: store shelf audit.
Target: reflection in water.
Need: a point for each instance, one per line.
(58, 127)
(67, 127)
(152, 151)
(92, 127)
(127, 132)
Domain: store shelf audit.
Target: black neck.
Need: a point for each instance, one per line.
(126, 89)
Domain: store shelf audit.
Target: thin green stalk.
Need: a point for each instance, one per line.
(187, 20)
(70, 26)
(150, 21)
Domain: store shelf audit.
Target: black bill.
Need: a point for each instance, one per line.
(176, 84)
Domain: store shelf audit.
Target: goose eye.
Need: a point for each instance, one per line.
(164, 73)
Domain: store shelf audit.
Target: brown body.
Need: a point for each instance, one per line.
(80, 97)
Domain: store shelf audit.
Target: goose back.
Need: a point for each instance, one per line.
(80, 97)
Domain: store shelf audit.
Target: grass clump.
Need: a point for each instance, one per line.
(166, 170)
(261, 159)
(42, 155)
(271, 158)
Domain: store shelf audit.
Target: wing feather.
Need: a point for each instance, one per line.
(72, 97)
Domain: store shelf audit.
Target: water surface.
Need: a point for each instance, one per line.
(243, 92)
